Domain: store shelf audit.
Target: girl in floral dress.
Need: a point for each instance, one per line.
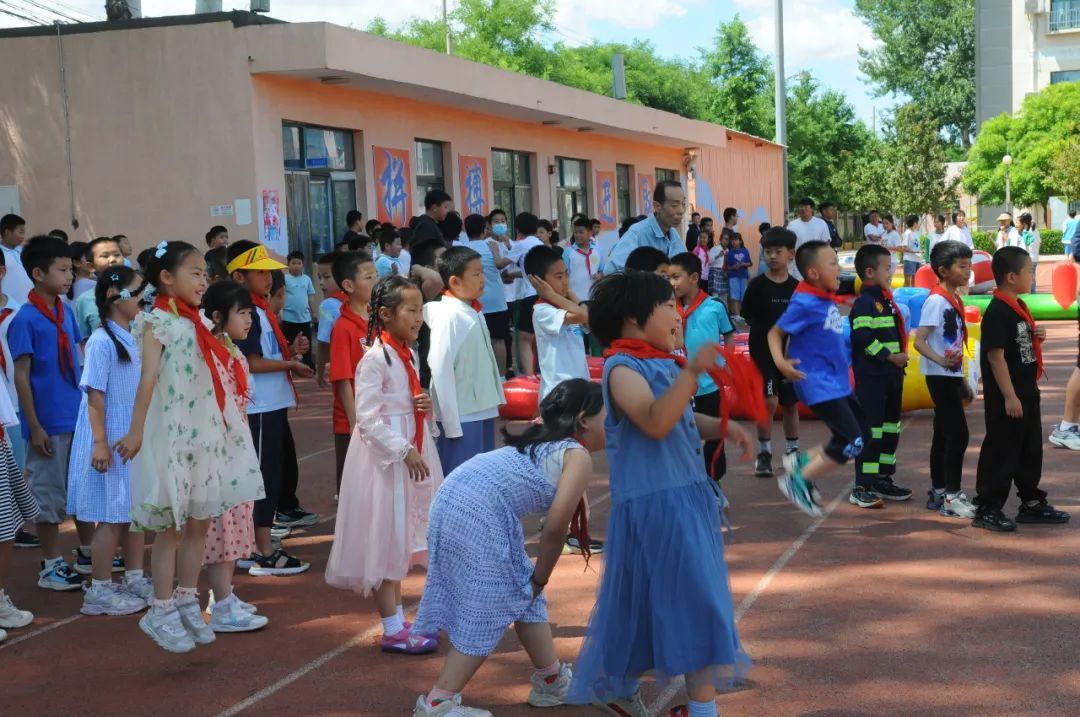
(192, 454)
(392, 469)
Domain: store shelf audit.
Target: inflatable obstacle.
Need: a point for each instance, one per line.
(1043, 307)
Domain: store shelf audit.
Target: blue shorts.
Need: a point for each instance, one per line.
(910, 267)
(737, 287)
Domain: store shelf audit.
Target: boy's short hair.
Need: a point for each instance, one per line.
(582, 222)
(940, 218)
(946, 253)
(451, 226)
(764, 227)
(296, 254)
(826, 205)
(59, 234)
(214, 232)
(807, 255)
(911, 220)
(687, 261)
(730, 212)
(475, 226)
(627, 223)
(546, 225)
(869, 256)
(11, 222)
(355, 241)
(370, 226)
(695, 214)
(423, 254)
(77, 249)
(277, 281)
(435, 197)
(526, 224)
(873, 212)
(595, 223)
(327, 258)
(496, 212)
(216, 263)
(779, 238)
(387, 235)
(647, 259)
(540, 259)
(346, 264)
(706, 220)
(625, 295)
(1008, 260)
(454, 261)
(807, 202)
(95, 244)
(41, 251)
(352, 217)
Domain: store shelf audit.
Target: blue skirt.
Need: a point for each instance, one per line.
(664, 604)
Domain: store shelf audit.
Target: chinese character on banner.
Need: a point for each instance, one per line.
(393, 185)
(474, 182)
(606, 200)
(645, 190)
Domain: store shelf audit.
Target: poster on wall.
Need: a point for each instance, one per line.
(606, 209)
(644, 193)
(393, 185)
(474, 182)
(272, 235)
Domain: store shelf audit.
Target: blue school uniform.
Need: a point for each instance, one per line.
(56, 396)
(823, 347)
(664, 603)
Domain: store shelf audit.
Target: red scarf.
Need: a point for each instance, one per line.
(579, 523)
(476, 305)
(4, 313)
(1017, 304)
(260, 302)
(804, 288)
(404, 354)
(354, 318)
(67, 360)
(588, 259)
(208, 344)
(686, 310)
(901, 325)
(954, 301)
(340, 296)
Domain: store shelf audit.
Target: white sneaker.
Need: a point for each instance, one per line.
(450, 708)
(166, 629)
(958, 506)
(633, 707)
(192, 620)
(245, 606)
(11, 616)
(229, 616)
(550, 694)
(141, 587)
(110, 600)
(1067, 438)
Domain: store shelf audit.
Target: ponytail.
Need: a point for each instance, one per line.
(559, 413)
(119, 278)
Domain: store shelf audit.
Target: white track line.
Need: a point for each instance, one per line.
(665, 697)
(40, 631)
(306, 668)
(301, 459)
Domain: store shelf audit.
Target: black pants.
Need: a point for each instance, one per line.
(292, 330)
(423, 345)
(846, 423)
(1011, 452)
(950, 432)
(277, 460)
(709, 405)
(880, 396)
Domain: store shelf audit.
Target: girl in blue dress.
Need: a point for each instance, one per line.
(480, 579)
(664, 604)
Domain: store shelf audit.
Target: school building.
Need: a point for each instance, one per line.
(159, 128)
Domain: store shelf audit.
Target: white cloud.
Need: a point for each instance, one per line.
(814, 30)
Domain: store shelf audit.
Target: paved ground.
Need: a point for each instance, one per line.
(897, 612)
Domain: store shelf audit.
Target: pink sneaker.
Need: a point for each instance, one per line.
(406, 643)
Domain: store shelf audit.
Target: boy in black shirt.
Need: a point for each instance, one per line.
(1011, 364)
(766, 299)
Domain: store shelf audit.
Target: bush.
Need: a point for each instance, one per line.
(984, 241)
(1050, 241)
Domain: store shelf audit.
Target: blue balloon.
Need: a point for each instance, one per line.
(905, 294)
(905, 312)
(915, 304)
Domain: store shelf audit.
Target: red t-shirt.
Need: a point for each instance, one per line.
(345, 353)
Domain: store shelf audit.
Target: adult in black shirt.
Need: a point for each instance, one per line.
(437, 204)
(828, 214)
(693, 232)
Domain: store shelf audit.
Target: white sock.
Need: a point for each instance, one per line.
(392, 625)
(401, 613)
(130, 575)
(101, 583)
(765, 446)
(1067, 425)
(792, 444)
(53, 562)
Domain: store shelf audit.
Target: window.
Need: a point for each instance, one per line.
(429, 166)
(1064, 76)
(317, 148)
(570, 195)
(1064, 15)
(512, 175)
(665, 174)
(623, 182)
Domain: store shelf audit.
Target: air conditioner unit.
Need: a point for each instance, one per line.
(1036, 7)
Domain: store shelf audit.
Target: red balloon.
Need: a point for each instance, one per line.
(925, 277)
(522, 398)
(1063, 284)
(972, 314)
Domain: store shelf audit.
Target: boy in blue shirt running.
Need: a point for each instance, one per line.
(818, 361)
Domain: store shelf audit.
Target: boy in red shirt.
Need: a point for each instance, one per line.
(355, 273)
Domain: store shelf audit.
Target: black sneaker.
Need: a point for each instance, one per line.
(993, 519)
(573, 547)
(890, 491)
(864, 498)
(763, 465)
(1042, 512)
(277, 563)
(26, 540)
(296, 518)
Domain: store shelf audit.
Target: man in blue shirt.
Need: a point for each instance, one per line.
(660, 230)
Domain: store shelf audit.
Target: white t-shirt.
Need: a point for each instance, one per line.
(933, 239)
(17, 284)
(955, 233)
(9, 363)
(912, 242)
(893, 242)
(522, 289)
(945, 335)
(814, 230)
(582, 265)
(716, 258)
(874, 233)
(1008, 237)
(560, 347)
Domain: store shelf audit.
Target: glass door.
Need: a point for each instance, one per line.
(321, 239)
(298, 210)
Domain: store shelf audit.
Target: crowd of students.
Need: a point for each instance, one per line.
(161, 405)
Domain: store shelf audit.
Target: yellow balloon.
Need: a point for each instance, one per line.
(916, 394)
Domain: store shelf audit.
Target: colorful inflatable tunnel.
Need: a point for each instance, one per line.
(1043, 307)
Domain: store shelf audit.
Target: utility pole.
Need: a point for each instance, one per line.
(446, 24)
(781, 98)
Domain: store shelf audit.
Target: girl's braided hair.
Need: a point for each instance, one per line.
(387, 294)
(119, 278)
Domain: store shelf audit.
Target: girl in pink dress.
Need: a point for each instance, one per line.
(232, 534)
(391, 469)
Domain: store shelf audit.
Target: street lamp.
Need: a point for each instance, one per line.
(1007, 161)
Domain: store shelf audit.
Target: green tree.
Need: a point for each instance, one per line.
(742, 78)
(1065, 169)
(927, 54)
(916, 158)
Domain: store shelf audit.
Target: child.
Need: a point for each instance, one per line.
(83, 268)
(272, 361)
(737, 265)
(392, 468)
(232, 534)
(545, 231)
(193, 459)
(390, 260)
(701, 251)
(878, 356)
(99, 482)
(355, 274)
(104, 254)
(892, 241)
(705, 321)
(718, 280)
(217, 264)
(1012, 363)
(43, 340)
(648, 259)
(12, 239)
(762, 229)
(558, 318)
(526, 225)
(299, 303)
(766, 300)
(934, 237)
(125, 248)
(465, 383)
(820, 349)
(217, 238)
(582, 261)
(652, 609)
(329, 309)
(496, 312)
(478, 567)
(941, 339)
(13, 432)
(911, 243)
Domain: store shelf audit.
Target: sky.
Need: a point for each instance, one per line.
(822, 36)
